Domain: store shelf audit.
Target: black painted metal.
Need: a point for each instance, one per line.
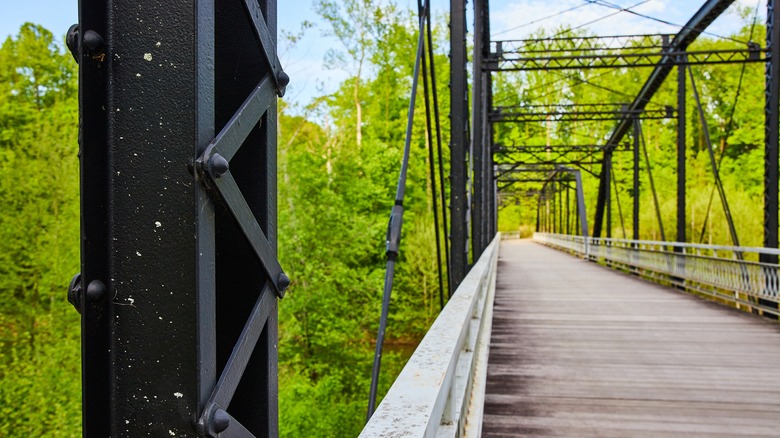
(428, 89)
(151, 98)
(635, 186)
(459, 143)
(96, 339)
(478, 124)
(573, 113)
(395, 224)
(603, 193)
(693, 28)
(608, 176)
(650, 179)
(681, 151)
(771, 138)
(440, 156)
(752, 53)
(713, 163)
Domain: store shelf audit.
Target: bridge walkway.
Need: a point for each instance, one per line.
(580, 350)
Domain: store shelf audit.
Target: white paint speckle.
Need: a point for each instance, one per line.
(127, 421)
(178, 395)
(157, 224)
(132, 300)
(158, 44)
(170, 431)
(138, 254)
(138, 75)
(148, 57)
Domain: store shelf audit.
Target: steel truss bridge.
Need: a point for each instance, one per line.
(180, 281)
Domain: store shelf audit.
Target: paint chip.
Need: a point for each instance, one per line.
(157, 224)
(178, 395)
(148, 57)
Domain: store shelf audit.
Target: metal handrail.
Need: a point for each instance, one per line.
(441, 389)
(729, 273)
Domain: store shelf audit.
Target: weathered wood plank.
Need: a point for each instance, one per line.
(580, 350)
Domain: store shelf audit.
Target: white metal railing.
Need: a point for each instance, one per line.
(731, 273)
(440, 391)
(510, 235)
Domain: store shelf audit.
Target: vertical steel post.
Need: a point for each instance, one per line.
(603, 194)
(635, 189)
(168, 277)
(582, 216)
(608, 201)
(478, 101)
(771, 134)
(772, 113)
(459, 143)
(568, 213)
(560, 207)
(681, 151)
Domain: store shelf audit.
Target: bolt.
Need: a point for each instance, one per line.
(96, 291)
(218, 166)
(220, 421)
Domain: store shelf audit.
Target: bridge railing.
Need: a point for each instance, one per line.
(729, 273)
(440, 391)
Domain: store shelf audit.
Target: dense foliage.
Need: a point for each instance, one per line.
(39, 238)
(338, 163)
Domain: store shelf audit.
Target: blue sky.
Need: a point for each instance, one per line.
(509, 19)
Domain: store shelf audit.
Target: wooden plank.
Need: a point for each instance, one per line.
(581, 350)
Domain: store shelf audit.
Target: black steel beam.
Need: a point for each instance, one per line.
(573, 113)
(681, 151)
(480, 129)
(754, 53)
(771, 137)
(693, 28)
(635, 186)
(179, 314)
(459, 143)
(601, 201)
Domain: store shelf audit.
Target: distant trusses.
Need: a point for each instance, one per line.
(575, 113)
(619, 51)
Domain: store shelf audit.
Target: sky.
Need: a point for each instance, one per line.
(509, 20)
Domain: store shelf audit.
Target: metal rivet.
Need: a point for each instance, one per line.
(218, 166)
(283, 79)
(72, 41)
(74, 292)
(96, 291)
(284, 282)
(220, 421)
(93, 41)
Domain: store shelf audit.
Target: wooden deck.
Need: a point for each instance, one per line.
(579, 350)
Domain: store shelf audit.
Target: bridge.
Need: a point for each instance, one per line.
(574, 334)
(538, 342)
